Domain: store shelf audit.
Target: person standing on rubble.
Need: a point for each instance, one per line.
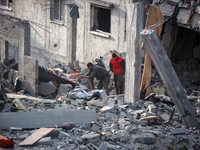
(117, 67)
(100, 73)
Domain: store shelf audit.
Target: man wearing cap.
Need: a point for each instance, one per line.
(100, 74)
(117, 67)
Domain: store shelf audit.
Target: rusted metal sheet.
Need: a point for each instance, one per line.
(33, 138)
(49, 76)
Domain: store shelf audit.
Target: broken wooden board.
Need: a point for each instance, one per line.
(32, 120)
(169, 77)
(13, 96)
(2, 137)
(33, 138)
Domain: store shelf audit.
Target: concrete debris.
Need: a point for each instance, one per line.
(88, 119)
(146, 138)
(19, 106)
(47, 90)
(178, 131)
(64, 88)
(67, 126)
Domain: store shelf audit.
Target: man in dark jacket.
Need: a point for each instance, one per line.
(100, 74)
(117, 67)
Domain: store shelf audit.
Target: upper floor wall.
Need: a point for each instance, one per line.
(59, 37)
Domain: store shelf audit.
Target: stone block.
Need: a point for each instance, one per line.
(53, 134)
(95, 127)
(108, 107)
(63, 135)
(80, 101)
(123, 123)
(111, 115)
(142, 123)
(123, 115)
(165, 116)
(44, 141)
(178, 131)
(64, 88)
(96, 103)
(46, 89)
(103, 146)
(144, 138)
(91, 135)
(152, 108)
(73, 102)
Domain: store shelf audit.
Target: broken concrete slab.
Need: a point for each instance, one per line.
(63, 89)
(144, 138)
(111, 115)
(177, 131)
(63, 135)
(30, 120)
(90, 135)
(169, 77)
(110, 105)
(46, 89)
(44, 141)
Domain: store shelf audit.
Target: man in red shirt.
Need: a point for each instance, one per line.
(117, 67)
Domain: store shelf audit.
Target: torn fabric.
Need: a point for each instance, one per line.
(154, 16)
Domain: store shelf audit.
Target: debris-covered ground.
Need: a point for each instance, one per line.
(150, 124)
(81, 118)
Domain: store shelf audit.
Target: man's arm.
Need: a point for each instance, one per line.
(93, 73)
(111, 66)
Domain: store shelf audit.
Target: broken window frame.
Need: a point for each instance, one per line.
(94, 21)
(6, 4)
(57, 9)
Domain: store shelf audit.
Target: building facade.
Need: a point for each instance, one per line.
(68, 31)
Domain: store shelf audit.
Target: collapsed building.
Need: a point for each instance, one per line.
(45, 33)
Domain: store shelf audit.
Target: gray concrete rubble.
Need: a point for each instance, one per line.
(119, 125)
(88, 119)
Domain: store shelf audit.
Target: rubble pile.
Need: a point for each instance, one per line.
(67, 117)
(153, 124)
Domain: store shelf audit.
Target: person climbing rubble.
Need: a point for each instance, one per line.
(117, 67)
(100, 74)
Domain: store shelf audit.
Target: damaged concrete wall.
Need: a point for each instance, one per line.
(51, 40)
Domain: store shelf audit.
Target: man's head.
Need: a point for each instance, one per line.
(89, 65)
(114, 56)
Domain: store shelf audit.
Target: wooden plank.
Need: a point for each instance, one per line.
(32, 120)
(2, 137)
(13, 96)
(33, 138)
(169, 77)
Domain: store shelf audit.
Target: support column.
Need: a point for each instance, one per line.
(135, 25)
(21, 54)
(4, 51)
(24, 46)
(169, 77)
(71, 34)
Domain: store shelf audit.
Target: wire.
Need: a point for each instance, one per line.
(41, 28)
(157, 24)
(36, 31)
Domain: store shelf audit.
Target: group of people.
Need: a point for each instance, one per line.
(117, 67)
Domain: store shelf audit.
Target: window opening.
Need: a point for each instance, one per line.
(6, 3)
(101, 19)
(56, 10)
